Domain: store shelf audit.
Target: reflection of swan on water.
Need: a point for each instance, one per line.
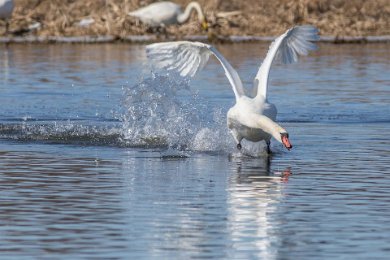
(252, 119)
(6, 8)
(252, 202)
(167, 13)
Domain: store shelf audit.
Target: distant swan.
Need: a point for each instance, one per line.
(6, 8)
(167, 13)
(252, 119)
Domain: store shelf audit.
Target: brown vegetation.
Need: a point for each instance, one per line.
(256, 17)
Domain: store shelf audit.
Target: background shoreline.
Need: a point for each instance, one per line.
(202, 38)
(339, 21)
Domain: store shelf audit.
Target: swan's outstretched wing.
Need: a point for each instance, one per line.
(187, 58)
(297, 40)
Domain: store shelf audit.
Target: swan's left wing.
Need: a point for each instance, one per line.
(187, 58)
(295, 41)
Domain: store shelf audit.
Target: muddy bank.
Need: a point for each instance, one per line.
(107, 20)
(201, 38)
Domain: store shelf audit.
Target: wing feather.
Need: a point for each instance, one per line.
(187, 58)
(287, 47)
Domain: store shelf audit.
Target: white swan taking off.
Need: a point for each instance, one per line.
(250, 118)
(167, 13)
(6, 9)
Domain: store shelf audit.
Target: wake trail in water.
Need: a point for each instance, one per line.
(63, 133)
(162, 111)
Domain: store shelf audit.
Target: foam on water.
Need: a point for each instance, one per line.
(163, 110)
(62, 132)
(160, 111)
(71, 201)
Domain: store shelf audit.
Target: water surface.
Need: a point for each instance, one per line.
(102, 158)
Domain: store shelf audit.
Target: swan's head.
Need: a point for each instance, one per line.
(278, 132)
(284, 140)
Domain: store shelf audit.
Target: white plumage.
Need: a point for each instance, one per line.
(167, 13)
(250, 118)
(6, 9)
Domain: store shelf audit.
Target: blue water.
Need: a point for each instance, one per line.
(102, 158)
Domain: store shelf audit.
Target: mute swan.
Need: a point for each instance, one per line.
(167, 13)
(6, 8)
(250, 118)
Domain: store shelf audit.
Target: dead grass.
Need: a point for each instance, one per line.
(258, 17)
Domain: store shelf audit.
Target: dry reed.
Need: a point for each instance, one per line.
(260, 17)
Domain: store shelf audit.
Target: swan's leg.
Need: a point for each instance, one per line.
(268, 142)
(237, 138)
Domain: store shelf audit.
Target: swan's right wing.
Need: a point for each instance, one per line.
(187, 58)
(294, 42)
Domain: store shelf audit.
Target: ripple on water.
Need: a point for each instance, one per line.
(81, 181)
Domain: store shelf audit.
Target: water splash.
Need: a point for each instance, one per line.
(164, 111)
(161, 111)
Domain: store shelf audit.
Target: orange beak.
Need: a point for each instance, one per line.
(286, 142)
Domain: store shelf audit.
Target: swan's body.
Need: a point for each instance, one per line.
(167, 13)
(250, 118)
(6, 9)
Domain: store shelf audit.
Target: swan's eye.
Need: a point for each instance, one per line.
(284, 135)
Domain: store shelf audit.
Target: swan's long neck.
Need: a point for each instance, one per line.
(254, 120)
(182, 18)
(271, 127)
